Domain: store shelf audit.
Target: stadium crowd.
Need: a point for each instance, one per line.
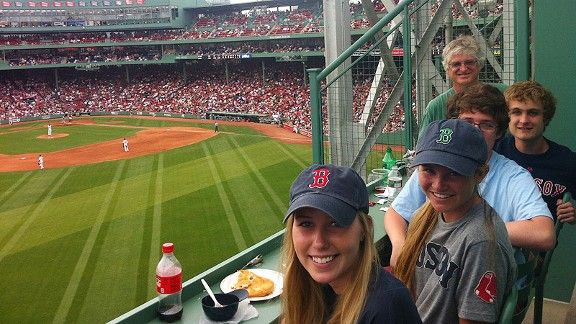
(205, 87)
(154, 52)
(163, 89)
(254, 22)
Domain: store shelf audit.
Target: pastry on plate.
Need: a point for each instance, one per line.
(257, 286)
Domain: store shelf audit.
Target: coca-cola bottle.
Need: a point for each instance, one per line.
(169, 285)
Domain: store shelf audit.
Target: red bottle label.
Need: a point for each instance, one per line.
(169, 285)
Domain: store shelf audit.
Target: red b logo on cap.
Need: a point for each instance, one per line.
(320, 178)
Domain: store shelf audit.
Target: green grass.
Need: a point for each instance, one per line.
(81, 244)
(27, 141)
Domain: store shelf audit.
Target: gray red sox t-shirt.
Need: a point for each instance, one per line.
(461, 273)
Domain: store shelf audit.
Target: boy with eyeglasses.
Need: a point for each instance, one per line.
(507, 187)
(462, 61)
(531, 107)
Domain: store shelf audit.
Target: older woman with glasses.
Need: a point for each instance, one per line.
(462, 61)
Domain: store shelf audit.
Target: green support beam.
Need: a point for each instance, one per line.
(316, 115)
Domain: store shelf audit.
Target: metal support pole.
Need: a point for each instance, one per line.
(407, 64)
(522, 39)
(316, 114)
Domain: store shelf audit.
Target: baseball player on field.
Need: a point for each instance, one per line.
(125, 144)
(41, 162)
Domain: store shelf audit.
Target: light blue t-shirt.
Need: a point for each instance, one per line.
(508, 188)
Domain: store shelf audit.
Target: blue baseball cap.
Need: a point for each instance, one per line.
(452, 143)
(338, 191)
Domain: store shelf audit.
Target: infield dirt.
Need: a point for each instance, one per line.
(150, 140)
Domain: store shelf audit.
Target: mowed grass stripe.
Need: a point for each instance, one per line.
(10, 191)
(115, 263)
(117, 275)
(156, 223)
(40, 208)
(251, 198)
(74, 280)
(75, 211)
(228, 210)
(177, 176)
(263, 183)
(183, 179)
(289, 153)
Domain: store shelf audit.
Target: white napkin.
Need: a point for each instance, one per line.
(382, 201)
(245, 312)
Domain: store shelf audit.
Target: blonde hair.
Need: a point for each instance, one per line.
(422, 225)
(303, 300)
(420, 228)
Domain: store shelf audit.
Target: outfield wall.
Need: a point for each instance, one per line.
(212, 115)
(393, 138)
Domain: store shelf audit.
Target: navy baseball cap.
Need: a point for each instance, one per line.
(338, 191)
(452, 143)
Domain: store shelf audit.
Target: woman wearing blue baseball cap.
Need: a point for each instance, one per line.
(457, 259)
(331, 268)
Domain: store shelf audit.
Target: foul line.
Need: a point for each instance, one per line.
(74, 281)
(156, 223)
(236, 232)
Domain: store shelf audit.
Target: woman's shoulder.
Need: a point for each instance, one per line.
(506, 168)
(482, 211)
(385, 283)
(389, 301)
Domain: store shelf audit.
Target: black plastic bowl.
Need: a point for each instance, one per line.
(229, 302)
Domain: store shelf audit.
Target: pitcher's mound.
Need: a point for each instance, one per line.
(59, 135)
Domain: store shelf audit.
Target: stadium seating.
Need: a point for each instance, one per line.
(33, 94)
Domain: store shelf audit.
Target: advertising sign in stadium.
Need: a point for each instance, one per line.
(290, 58)
(224, 56)
(397, 51)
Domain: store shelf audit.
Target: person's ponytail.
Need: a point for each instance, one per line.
(424, 222)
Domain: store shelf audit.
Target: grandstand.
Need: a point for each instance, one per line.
(261, 32)
(202, 59)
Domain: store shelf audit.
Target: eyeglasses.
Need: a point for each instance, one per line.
(483, 126)
(468, 63)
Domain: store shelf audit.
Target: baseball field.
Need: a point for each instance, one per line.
(80, 240)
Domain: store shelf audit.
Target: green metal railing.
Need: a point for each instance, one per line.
(387, 101)
(317, 75)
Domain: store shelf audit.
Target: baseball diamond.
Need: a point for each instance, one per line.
(95, 217)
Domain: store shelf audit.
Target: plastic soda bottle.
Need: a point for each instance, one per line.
(394, 183)
(169, 285)
(388, 161)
